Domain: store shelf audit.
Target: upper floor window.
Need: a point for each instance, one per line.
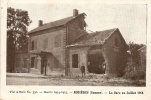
(45, 43)
(57, 41)
(32, 45)
(35, 44)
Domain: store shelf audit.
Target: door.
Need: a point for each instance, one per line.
(32, 62)
(43, 66)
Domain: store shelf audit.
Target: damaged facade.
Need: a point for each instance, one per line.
(93, 49)
(62, 46)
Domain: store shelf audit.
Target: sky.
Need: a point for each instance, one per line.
(130, 19)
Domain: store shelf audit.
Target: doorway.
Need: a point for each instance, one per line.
(95, 63)
(43, 66)
(32, 62)
(25, 63)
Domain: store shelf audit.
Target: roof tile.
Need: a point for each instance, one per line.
(94, 38)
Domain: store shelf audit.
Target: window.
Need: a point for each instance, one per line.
(32, 45)
(57, 41)
(35, 45)
(45, 43)
(75, 60)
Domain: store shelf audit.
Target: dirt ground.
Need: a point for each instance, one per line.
(90, 80)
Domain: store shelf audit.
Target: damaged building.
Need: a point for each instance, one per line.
(62, 46)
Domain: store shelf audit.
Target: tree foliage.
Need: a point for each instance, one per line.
(134, 53)
(17, 23)
(133, 70)
(17, 26)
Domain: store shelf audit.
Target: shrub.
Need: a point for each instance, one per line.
(133, 70)
(135, 75)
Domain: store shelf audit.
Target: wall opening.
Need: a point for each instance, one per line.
(75, 61)
(44, 65)
(32, 62)
(25, 63)
(96, 63)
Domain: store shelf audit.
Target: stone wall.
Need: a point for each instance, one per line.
(52, 41)
(82, 60)
(116, 53)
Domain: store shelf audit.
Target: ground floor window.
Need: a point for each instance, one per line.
(75, 60)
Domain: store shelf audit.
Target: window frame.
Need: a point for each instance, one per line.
(74, 65)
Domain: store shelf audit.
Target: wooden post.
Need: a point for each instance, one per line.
(45, 65)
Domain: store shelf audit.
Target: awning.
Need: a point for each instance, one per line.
(80, 45)
(40, 52)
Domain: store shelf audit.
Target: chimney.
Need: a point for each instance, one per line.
(75, 12)
(40, 23)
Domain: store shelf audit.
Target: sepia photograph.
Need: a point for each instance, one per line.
(76, 45)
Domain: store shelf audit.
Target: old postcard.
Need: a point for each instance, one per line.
(75, 50)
